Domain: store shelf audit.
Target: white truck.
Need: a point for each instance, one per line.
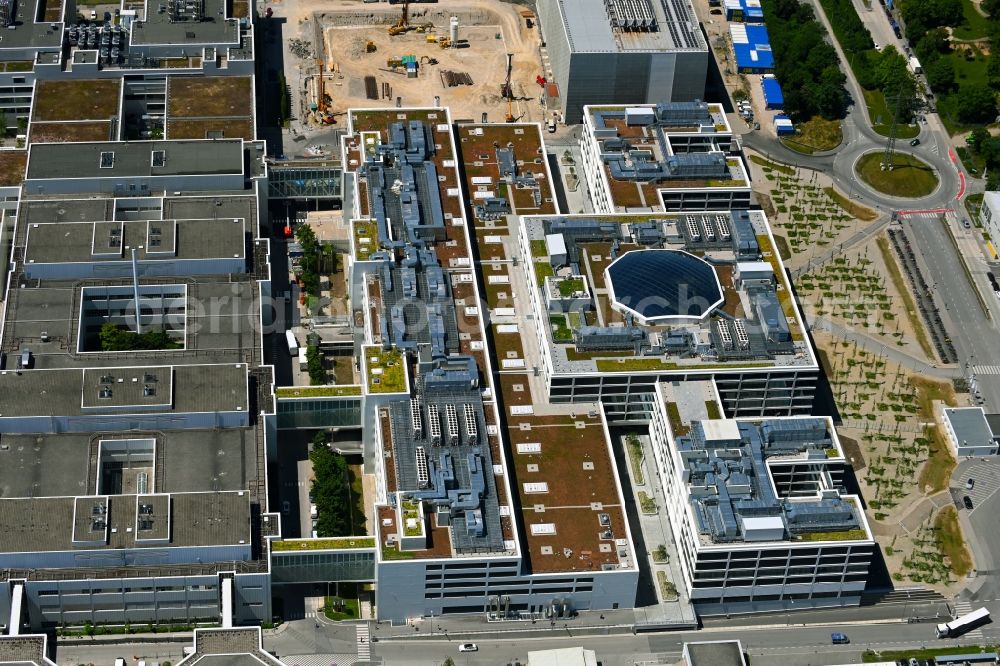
(293, 344)
(960, 625)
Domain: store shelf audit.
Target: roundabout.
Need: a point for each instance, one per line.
(910, 177)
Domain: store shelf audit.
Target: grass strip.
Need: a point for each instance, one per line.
(911, 309)
(768, 164)
(634, 447)
(948, 537)
(850, 207)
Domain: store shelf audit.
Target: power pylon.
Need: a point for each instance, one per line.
(890, 144)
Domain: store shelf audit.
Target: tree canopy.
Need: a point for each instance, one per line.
(118, 338)
(805, 63)
(331, 491)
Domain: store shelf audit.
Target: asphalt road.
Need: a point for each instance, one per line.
(781, 645)
(975, 337)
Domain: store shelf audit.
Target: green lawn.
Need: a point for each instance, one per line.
(909, 178)
(973, 163)
(815, 135)
(881, 116)
(346, 606)
(975, 25)
(967, 72)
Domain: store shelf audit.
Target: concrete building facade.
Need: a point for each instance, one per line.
(603, 54)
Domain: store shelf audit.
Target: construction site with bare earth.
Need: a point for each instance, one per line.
(480, 59)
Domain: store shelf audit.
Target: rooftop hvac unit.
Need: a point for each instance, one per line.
(742, 337)
(692, 227)
(722, 223)
(709, 229)
(434, 423)
(416, 418)
(471, 428)
(423, 478)
(452, 417)
(725, 336)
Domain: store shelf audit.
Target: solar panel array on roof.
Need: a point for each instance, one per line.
(679, 23)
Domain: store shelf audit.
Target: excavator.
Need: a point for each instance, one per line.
(403, 24)
(323, 115)
(506, 91)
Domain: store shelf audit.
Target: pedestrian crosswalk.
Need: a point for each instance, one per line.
(364, 642)
(986, 369)
(961, 608)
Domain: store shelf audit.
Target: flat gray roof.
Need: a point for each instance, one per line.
(155, 240)
(16, 650)
(590, 31)
(188, 461)
(196, 519)
(134, 159)
(229, 647)
(723, 653)
(970, 426)
(28, 34)
(196, 389)
(215, 29)
(227, 329)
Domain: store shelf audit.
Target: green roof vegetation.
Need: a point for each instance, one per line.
(712, 408)
(365, 239)
(648, 364)
(394, 553)
(570, 286)
(539, 249)
(543, 269)
(845, 535)
(411, 511)
(392, 378)
(832, 453)
(340, 543)
(561, 331)
(317, 391)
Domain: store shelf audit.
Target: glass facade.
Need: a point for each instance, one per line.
(319, 413)
(321, 567)
(305, 183)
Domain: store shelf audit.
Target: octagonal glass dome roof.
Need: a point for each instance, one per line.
(659, 285)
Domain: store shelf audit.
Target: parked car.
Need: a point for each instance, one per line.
(967, 501)
(468, 647)
(970, 484)
(286, 507)
(915, 142)
(715, 12)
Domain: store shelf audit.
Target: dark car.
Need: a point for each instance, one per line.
(915, 142)
(967, 501)
(838, 638)
(992, 278)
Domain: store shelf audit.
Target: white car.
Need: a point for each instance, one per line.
(468, 647)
